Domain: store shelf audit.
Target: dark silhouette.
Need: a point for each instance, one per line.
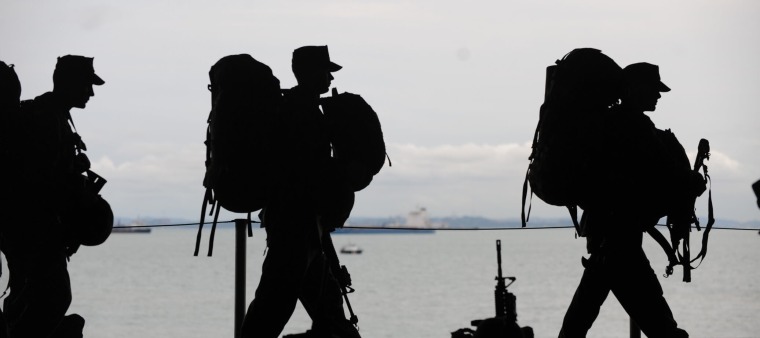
(579, 89)
(504, 324)
(296, 266)
(56, 206)
(641, 177)
(245, 98)
(10, 94)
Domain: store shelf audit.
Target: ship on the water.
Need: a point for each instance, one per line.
(416, 222)
(135, 227)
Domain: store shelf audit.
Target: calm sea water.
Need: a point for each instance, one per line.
(424, 286)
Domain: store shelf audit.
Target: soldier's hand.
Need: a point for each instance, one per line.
(697, 184)
(81, 163)
(343, 277)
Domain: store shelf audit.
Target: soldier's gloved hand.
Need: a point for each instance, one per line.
(343, 277)
(697, 184)
(81, 163)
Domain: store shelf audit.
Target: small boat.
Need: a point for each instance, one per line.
(351, 249)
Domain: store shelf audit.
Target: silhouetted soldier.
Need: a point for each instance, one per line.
(640, 183)
(10, 93)
(756, 189)
(295, 267)
(39, 244)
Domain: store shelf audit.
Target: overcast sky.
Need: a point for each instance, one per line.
(457, 86)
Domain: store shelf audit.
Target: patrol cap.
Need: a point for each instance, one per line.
(313, 58)
(645, 73)
(76, 68)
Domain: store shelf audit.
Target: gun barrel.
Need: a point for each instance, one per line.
(498, 257)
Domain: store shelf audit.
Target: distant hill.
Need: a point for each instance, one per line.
(152, 221)
(482, 222)
(464, 222)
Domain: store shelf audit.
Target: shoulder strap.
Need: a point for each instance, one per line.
(526, 217)
(78, 143)
(710, 220)
(665, 245)
(208, 199)
(573, 209)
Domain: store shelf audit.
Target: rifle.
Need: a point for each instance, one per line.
(506, 302)
(680, 225)
(341, 274)
(506, 309)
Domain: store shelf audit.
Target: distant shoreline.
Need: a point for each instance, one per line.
(454, 223)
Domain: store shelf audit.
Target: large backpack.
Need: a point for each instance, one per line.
(356, 137)
(358, 152)
(579, 90)
(245, 97)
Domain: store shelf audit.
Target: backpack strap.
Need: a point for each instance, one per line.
(78, 143)
(710, 220)
(208, 199)
(526, 217)
(573, 209)
(213, 229)
(666, 247)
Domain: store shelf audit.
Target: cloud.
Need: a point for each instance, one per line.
(465, 179)
(720, 161)
(466, 161)
(165, 181)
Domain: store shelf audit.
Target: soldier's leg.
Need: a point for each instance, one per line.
(277, 294)
(591, 293)
(45, 296)
(636, 286)
(322, 299)
(13, 303)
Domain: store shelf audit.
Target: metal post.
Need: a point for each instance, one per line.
(240, 238)
(635, 331)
